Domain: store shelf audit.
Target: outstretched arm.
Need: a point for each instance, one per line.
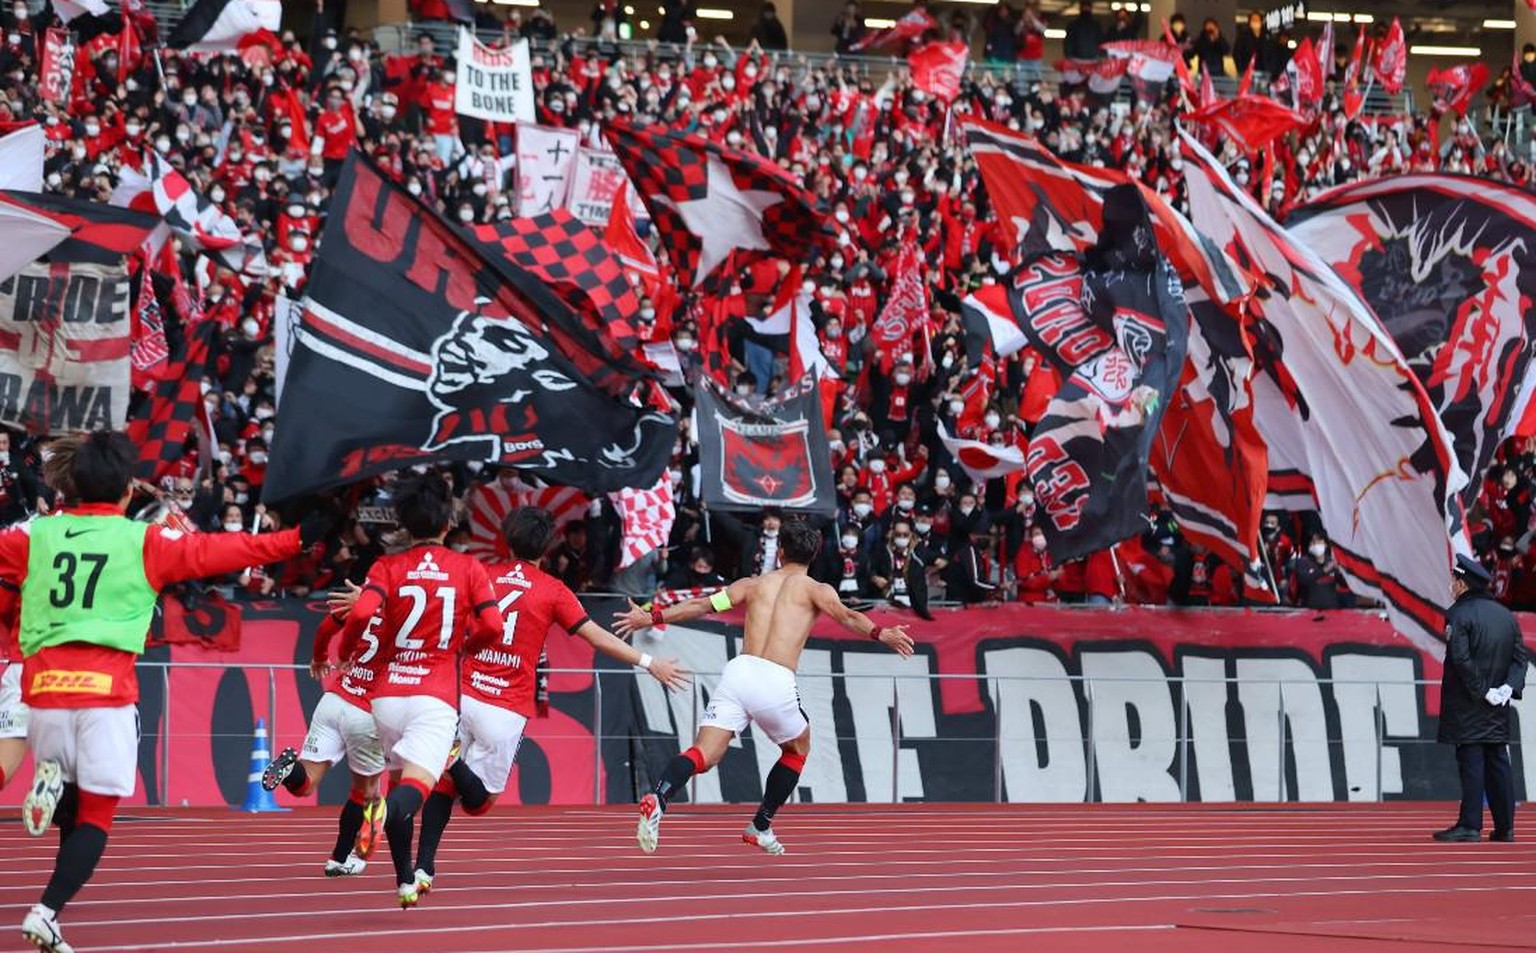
(171, 557)
(666, 671)
(636, 618)
(894, 637)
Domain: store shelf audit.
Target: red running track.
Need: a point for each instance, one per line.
(911, 878)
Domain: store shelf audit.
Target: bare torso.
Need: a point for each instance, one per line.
(780, 611)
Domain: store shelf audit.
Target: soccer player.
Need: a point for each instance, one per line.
(499, 680)
(758, 686)
(13, 711)
(341, 727)
(428, 596)
(88, 579)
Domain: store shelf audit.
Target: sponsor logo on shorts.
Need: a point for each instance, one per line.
(12, 720)
(72, 683)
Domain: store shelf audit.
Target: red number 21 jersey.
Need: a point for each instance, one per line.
(429, 595)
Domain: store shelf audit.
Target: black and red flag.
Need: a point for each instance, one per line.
(582, 272)
(419, 350)
(710, 203)
(1114, 323)
(1447, 265)
(175, 406)
(757, 453)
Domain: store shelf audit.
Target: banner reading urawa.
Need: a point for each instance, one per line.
(1029, 704)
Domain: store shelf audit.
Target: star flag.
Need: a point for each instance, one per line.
(709, 201)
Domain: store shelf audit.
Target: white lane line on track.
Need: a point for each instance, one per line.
(436, 932)
(473, 879)
(716, 897)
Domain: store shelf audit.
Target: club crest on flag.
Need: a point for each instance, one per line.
(761, 464)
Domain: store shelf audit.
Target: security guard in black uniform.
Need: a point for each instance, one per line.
(1485, 662)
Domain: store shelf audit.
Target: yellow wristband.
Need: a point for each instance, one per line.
(720, 601)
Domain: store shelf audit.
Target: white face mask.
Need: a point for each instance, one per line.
(1318, 550)
(685, 344)
(902, 379)
(770, 534)
(743, 390)
(923, 528)
(862, 510)
(1028, 499)
(966, 509)
(941, 482)
(836, 446)
(258, 457)
(413, 187)
(676, 476)
(1038, 542)
(833, 333)
(900, 542)
(841, 215)
(957, 407)
(877, 466)
(231, 526)
(466, 215)
(905, 505)
(992, 420)
(299, 243)
(850, 542)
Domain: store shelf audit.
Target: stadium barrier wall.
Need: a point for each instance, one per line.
(1011, 703)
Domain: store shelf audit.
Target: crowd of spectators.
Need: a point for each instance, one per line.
(912, 526)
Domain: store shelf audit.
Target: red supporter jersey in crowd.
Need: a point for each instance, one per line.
(428, 596)
(531, 602)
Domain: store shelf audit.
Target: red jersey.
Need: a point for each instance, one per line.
(428, 596)
(170, 556)
(349, 683)
(532, 601)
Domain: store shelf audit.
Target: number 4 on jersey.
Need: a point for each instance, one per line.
(509, 626)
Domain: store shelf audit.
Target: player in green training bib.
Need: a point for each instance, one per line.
(88, 579)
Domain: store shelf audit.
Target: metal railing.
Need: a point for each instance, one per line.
(993, 688)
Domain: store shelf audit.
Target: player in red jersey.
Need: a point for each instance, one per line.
(499, 680)
(13, 711)
(88, 580)
(429, 596)
(341, 727)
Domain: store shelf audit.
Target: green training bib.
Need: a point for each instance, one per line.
(86, 583)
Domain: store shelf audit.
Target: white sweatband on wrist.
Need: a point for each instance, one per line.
(645, 661)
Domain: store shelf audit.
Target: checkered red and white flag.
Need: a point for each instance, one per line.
(196, 221)
(648, 517)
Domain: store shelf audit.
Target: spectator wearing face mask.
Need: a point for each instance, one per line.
(931, 540)
(697, 572)
(336, 132)
(568, 561)
(884, 470)
(1034, 570)
(758, 545)
(21, 491)
(970, 577)
(896, 573)
(1147, 569)
(1315, 577)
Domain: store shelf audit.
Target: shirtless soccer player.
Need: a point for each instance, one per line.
(88, 580)
(428, 596)
(758, 686)
(498, 681)
(341, 727)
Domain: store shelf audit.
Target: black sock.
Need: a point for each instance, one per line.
(434, 820)
(776, 790)
(346, 831)
(67, 809)
(78, 856)
(678, 771)
(297, 781)
(471, 789)
(399, 824)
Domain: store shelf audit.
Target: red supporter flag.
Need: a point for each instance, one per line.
(56, 71)
(624, 239)
(710, 203)
(1453, 87)
(647, 516)
(937, 68)
(201, 225)
(149, 349)
(174, 407)
(913, 25)
(490, 503)
(1392, 59)
(1252, 122)
(286, 105)
(1102, 76)
(1306, 76)
(906, 308)
(143, 19)
(1186, 81)
(1354, 98)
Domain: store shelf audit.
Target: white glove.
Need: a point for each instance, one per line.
(1500, 696)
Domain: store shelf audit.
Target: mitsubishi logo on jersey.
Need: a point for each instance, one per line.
(514, 577)
(427, 569)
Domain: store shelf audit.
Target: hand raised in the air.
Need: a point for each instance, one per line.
(631, 621)
(671, 673)
(895, 638)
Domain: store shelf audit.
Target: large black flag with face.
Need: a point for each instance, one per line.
(1115, 324)
(755, 453)
(412, 348)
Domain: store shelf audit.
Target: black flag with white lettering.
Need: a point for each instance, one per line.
(1115, 324)
(412, 348)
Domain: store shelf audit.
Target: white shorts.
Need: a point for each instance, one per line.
(762, 692)
(340, 729)
(96, 748)
(416, 729)
(488, 740)
(13, 711)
